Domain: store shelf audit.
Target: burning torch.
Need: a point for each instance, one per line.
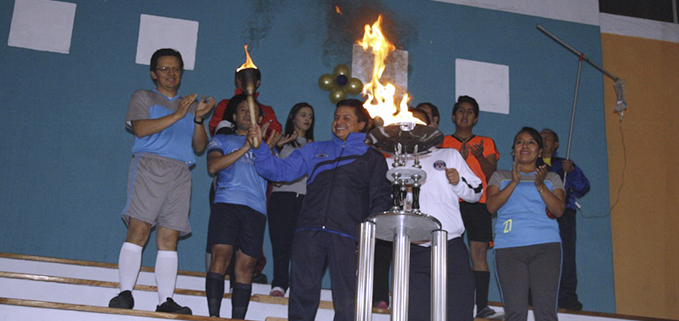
(247, 75)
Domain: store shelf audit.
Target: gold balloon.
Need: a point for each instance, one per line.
(354, 86)
(342, 70)
(327, 82)
(337, 94)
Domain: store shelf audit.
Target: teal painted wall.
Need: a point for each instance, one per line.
(66, 152)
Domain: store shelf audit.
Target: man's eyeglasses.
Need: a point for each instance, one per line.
(167, 70)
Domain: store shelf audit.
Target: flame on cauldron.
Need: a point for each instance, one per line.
(381, 101)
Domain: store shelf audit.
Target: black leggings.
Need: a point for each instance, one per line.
(284, 208)
(534, 268)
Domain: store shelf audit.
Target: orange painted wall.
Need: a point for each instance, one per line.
(643, 156)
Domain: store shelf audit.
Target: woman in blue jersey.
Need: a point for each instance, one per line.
(286, 199)
(527, 242)
(237, 214)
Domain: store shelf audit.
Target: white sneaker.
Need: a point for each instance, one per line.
(277, 291)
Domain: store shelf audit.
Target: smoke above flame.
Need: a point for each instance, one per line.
(381, 97)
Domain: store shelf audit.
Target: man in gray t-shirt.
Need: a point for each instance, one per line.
(168, 130)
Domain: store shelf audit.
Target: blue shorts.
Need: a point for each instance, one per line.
(237, 225)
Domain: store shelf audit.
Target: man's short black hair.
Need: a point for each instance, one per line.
(232, 107)
(165, 52)
(361, 114)
(419, 110)
(434, 109)
(556, 137)
(467, 99)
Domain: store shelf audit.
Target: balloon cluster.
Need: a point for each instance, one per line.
(340, 84)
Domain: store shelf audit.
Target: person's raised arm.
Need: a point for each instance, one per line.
(271, 167)
(577, 182)
(496, 198)
(146, 127)
(553, 199)
(216, 161)
(200, 138)
(488, 162)
(467, 186)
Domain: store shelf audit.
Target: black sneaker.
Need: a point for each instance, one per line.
(170, 306)
(259, 278)
(488, 313)
(572, 304)
(123, 300)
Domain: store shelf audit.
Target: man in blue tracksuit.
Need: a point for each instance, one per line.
(346, 184)
(576, 185)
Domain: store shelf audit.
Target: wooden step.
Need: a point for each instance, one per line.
(97, 292)
(28, 284)
(109, 272)
(35, 310)
(80, 292)
(149, 288)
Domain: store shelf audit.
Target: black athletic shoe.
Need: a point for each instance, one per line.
(259, 278)
(488, 313)
(571, 304)
(170, 306)
(123, 300)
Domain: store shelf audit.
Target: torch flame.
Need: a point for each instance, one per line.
(248, 61)
(338, 10)
(380, 100)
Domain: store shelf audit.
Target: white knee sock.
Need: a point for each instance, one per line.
(166, 274)
(129, 263)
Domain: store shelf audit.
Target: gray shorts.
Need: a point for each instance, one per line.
(159, 192)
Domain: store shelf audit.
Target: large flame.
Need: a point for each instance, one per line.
(248, 61)
(381, 101)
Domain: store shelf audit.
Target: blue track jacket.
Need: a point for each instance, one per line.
(346, 182)
(576, 184)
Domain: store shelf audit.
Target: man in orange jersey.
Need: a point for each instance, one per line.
(481, 156)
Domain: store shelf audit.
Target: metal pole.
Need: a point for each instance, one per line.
(575, 103)
(366, 265)
(578, 53)
(399, 306)
(619, 85)
(439, 275)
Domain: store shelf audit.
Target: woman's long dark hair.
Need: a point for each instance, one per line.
(290, 124)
